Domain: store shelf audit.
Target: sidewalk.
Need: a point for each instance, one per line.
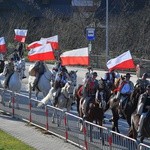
(32, 136)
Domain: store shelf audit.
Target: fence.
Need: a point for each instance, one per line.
(66, 125)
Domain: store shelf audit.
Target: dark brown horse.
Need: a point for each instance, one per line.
(145, 132)
(95, 108)
(128, 108)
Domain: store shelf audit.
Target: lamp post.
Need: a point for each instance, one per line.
(107, 48)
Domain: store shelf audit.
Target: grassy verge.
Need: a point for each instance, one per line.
(7, 142)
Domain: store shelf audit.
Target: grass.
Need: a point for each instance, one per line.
(7, 142)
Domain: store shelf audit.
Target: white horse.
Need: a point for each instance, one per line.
(64, 99)
(14, 83)
(44, 83)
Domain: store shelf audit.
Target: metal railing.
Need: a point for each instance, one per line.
(66, 125)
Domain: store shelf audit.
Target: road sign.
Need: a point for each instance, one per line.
(90, 33)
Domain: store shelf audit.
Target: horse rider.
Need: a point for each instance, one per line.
(142, 82)
(58, 65)
(61, 79)
(9, 71)
(39, 69)
(16, 56)
(88, 74)
(124, 90)
(2, 63)
(110, 77)
(20, 50)
(89, 91)
(143, 108)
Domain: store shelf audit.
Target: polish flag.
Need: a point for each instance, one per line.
(20, 35)
(35, 44)
(53, 41)
(2, 45)
(44, 52)
(75, 57)
(123, 61)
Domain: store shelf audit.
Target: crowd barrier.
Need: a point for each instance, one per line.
(65, 125)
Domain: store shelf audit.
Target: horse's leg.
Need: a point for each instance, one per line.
(2, 97)
(53, 116)
(36, 94)
(115, 120)
(142, 139)
(17, 103)
(81, 115)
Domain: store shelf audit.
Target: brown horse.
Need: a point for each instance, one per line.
(95, 107)
(145, 132)
(128, 108)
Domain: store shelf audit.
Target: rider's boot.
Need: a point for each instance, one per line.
(6, 82)
(56, 101)
(35, 83)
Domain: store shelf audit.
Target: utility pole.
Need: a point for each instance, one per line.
(107, 47)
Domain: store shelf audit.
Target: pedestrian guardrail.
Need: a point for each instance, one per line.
(65, 125)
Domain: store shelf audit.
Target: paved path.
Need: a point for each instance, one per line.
(33, 136)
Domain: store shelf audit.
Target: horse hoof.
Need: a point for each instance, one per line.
(39, 105)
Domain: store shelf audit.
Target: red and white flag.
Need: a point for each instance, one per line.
(53, 41)
(35, 44)
(123, 61)
(75, 57)
(20, 35)
(2, 45)
(42, 53)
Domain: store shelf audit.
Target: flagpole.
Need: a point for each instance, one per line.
(107, 48)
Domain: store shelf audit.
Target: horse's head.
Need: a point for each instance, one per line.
(69, 88)
(119, 81)
(102, 84)
(73, 77)
(17, 67)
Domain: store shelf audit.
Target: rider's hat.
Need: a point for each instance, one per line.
(11, 59)
(145, 75)
(148, 87)
(94, 74)
(128, 75)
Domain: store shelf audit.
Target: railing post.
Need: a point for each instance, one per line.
(30, 105)
(110, 139)
(84, 132)
(13, 103)
(46, 114)
(66, 126)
